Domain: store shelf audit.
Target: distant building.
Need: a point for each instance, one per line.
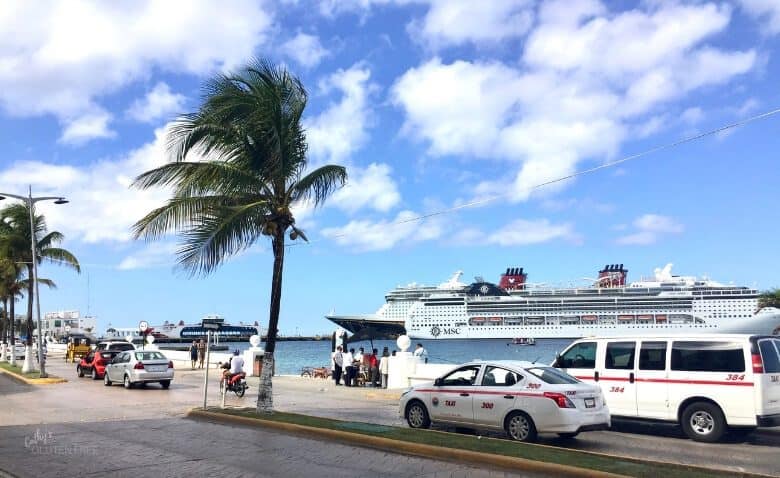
(54, 323)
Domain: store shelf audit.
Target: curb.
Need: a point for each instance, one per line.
(408, 448)
(32, 381)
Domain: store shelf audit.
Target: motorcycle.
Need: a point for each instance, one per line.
(236, 384)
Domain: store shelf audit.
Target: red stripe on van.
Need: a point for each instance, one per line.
(669, 380)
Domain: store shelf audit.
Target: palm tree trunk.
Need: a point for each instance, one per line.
(12, 313)
(265, 398)
(30, 293)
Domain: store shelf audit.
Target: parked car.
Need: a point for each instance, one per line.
(115, 345)
(520, 398)
(94, 363)
(706, 383)
(18, 349)
(133, 367)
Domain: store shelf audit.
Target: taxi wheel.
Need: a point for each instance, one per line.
(520, 427)
(165, 383)
(703, 421)
(79, 372)
(128, 384)
(417, 415)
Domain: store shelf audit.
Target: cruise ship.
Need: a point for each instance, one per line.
(662, 304)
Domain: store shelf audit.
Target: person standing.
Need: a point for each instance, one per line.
(421, 353)
(337, 361)
(201, 352)
(384, 366)
(194, 353)
(373, 367)
(346, 358)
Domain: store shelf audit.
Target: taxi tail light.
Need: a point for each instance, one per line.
(139, 366)
(560, 399)
(758, 364)
(170, 363)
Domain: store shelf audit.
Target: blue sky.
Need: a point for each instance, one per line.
(430, 105)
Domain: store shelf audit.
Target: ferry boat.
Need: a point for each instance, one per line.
(523, 341)
(170, 332)
(661, 304)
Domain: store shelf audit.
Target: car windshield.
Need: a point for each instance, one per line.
(552, 375)
(149, 356)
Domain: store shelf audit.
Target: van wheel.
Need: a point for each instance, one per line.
(520, 427)
(703, 421)
(417, 415)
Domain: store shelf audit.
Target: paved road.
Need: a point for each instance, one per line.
(173, 447)
(83, 400)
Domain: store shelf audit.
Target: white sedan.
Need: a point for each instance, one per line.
(521, 398)
(133, 367)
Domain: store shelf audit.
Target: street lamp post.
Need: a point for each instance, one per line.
(33, 246)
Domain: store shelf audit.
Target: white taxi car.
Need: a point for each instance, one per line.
(521, 398)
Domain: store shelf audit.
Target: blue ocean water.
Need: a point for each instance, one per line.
(291, 357)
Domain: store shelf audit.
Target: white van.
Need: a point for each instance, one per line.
(706, 383)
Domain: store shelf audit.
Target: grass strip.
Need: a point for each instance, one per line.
(543, 453)
(18, 370)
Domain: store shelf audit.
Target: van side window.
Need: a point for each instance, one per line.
(770, 355)
(581, 355)
(620, 355)
(708, 356)
(652, 356)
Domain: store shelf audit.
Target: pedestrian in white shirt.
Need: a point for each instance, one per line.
(384, 366)
(421, 353)
(337, 363)
(347, 359)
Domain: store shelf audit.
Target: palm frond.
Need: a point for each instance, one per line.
(61, 257)
(319, 184)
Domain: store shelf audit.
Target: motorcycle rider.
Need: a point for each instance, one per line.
(236, 367)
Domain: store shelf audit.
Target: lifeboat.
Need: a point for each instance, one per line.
(477, 320)
(589, 318)
(661, 319)
(624, 318)
(496, 319)
(646, 318)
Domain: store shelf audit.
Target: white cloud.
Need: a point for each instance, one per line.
(370, 187)
(522, 232)
(155, 254)
(102, 206)
(159, 103)
(768, 10)
(455, 22)
(305, 49)
(340, 130)
(587, 78)
(692, 116)
(61, 57)
(650, 228)
(365, 235)
(87, 127)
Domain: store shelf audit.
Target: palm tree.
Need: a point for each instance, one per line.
(11, 287)
(15, 235)
(249, 131)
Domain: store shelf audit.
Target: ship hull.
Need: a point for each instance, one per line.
(370, 327)
(763, 323)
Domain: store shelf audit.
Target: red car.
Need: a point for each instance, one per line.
(94, 363)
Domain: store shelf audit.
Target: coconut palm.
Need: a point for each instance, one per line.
(15, 237)
(11, 287)
(249, 131)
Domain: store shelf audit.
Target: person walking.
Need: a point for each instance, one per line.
(201, 353)
(337, 362)
(384, 366)
(194, 353)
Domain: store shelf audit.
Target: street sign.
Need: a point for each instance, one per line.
(143, 326)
